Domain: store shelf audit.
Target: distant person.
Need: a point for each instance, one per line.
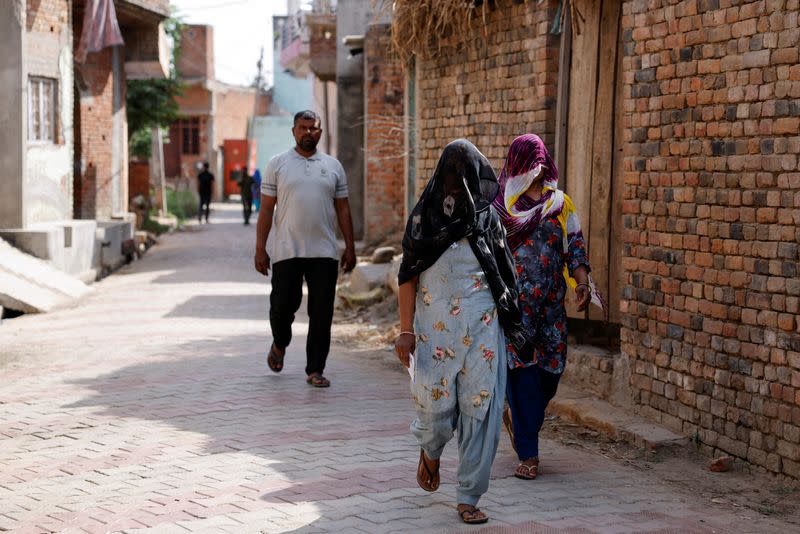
(305, 191)
(257, 190)
(246, 189)
(205, 184)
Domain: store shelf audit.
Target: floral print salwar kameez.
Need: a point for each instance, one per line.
(549, 252)
(458, 310)
(460, 367)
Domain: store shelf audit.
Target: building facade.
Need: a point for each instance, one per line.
(64, 146)
(676, 128)
(211, 112)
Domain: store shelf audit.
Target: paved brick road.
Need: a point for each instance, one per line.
(149, 408)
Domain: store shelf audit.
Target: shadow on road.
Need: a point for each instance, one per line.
(311, 444)
(223, 307)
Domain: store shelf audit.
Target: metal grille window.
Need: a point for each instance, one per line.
(190, 136)
(42, 109)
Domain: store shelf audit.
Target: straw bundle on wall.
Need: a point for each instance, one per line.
(419, 25)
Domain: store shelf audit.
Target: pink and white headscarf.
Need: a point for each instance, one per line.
(529, 160)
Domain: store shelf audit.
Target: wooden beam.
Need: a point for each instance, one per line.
(581, 117)
(562, 99)
(615, 273)
(603, 149)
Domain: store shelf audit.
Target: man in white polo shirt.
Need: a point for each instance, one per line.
(303, 193)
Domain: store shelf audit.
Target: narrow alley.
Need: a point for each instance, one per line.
(149, 408)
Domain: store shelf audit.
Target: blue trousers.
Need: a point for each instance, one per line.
(529, 390)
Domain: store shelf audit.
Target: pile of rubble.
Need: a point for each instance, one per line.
(372, 280)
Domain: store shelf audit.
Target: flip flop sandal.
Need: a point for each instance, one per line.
(527, 472)
(471, 519)
(274, 360)
(318, 381)
(432, 475)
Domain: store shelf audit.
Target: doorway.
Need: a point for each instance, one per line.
(589, 138)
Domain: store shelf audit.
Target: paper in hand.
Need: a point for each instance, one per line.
(411, 366)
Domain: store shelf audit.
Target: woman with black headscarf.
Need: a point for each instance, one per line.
(458, 303)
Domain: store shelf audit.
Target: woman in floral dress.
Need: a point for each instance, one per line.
(458, 304)
(549, 251)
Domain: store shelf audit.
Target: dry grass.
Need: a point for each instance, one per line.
(420, 26)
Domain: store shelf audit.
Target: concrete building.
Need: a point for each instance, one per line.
(358, 90)
(64, 146)
(352, 19)
(305, 75)
(210, 112)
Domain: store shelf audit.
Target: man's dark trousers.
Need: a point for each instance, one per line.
(320, 275)
(247, 208)
(205, 206)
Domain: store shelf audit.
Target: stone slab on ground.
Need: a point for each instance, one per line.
(588, 410)
(391, 276)
(383, 255)
(31, 285)
(368, 276)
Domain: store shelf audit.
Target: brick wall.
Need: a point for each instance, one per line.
(502, 84)
(93, 188)
(384, 82)
(712, 222)
(47, 16)
(194, 99)
(233, 107)
(196, 59)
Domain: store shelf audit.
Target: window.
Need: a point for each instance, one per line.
(42, 110)
(190, 136)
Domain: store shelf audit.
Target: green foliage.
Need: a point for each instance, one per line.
(182, 204)
(154, 227)
(151, 103)
(141, 143)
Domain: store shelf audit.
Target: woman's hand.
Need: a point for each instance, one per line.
(404, 346)
(584, 296)
(583, 292)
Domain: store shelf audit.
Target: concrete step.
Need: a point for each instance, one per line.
(32, 285)
(620, 423)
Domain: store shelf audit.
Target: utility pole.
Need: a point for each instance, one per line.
(251, 125)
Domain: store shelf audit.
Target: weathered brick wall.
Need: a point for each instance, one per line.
(502, 84)
(194, 99)
(384, 82)
(93, 189)
(234, 106)
(712, 222)
(196, 59)
(47, 16)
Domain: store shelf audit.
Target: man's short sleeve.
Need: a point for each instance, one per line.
(269, 186)
(341, 182)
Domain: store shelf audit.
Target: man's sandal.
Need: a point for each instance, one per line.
(275, 360)
(471, 515)
(526, 471)
(427, 478)
(318, 381)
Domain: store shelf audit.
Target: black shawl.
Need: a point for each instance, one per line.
(457, 203)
